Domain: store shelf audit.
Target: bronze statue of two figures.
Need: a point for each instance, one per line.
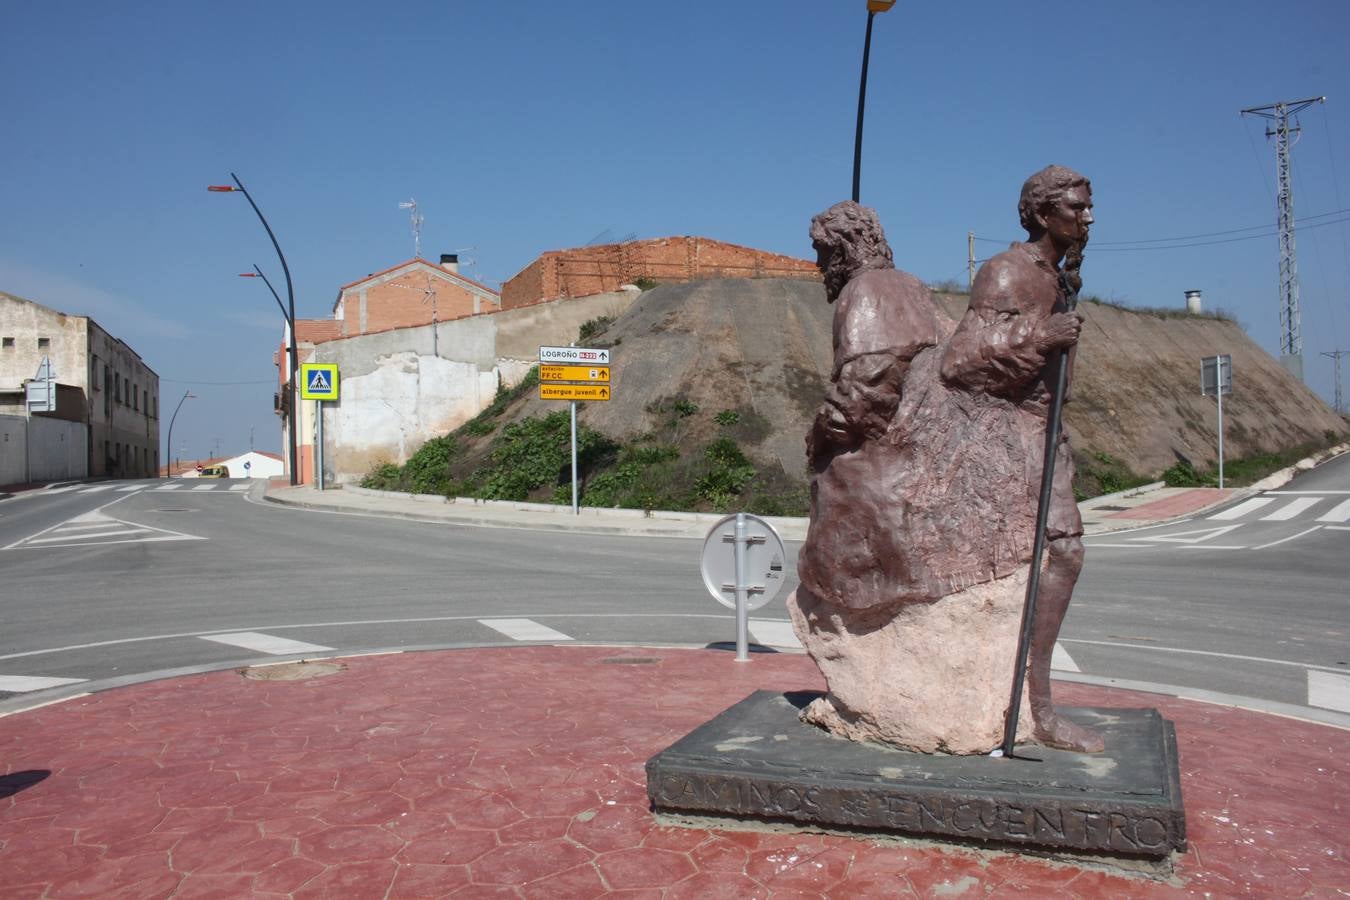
(927, 460)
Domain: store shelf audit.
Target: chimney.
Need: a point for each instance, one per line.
(1193, 302)
(450, 262)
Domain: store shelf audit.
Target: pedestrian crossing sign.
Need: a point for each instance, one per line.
(319, 381)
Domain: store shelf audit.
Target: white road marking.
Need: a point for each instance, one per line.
(1291, 509)
(1215, 547)
(1216, 654)
(169, 487)
(264, 643)
(62, 490)
(774, 633)
(1297, 493)
(1290, 538)
(1243, 508)
(1189, 537)
(1061, 661)
(85, 535)
(1337, 527)
(240, 487)
(1091, 543)
(1329, 691)
(130, 488)
(98, 487)
(22, 684)
(524, 630)
(93, 528)
(205, 487)
(1338, 513)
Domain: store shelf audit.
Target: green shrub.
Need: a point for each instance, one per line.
(535, 452)
(727, 417)
(728, 472)
(428, 471)
(385, 476)
(593, 328)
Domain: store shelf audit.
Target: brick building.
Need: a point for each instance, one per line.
(583, 271)
(412, 293)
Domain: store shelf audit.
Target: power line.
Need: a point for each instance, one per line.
(211, 383)
(1106, 247)
(1268, 230)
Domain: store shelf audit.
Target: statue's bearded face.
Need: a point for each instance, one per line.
(831, 260)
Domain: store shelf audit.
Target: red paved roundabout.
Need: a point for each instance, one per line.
(519, 772)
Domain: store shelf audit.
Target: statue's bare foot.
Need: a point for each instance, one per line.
(1053, 730)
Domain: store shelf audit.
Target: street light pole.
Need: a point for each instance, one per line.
(873, 7)
(289, 312)
(186, 394)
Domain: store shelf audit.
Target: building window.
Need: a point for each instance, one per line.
(7, 342)
(117, 387)
(135, 398)
(44, 343)
(145, 402)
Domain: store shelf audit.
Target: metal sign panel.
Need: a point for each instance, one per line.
(574, 392)
(574, 373)
(1210, 367)
(765, 558)
(41, 396)
(584, 355)
(318, 381)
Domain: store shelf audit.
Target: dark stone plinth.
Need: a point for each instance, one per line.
(757, 760)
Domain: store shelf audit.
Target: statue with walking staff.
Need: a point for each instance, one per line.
(944, 541)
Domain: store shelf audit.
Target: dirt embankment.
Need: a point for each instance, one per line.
(761, 347)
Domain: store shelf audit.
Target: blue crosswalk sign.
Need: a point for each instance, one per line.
(319, 381)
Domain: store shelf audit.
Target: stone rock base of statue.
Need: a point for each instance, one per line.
(757, 762)
(929, 677)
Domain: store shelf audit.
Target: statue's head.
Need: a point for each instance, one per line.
(1044, 190)
(848, 239)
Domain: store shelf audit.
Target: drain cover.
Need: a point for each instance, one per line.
(296, 671)
(630, 660)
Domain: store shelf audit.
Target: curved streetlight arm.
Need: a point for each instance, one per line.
(186, 394)
(284, 314)
(289, 312)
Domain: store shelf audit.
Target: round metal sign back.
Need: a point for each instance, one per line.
(764, 562)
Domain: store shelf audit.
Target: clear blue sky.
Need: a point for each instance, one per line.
(521, 127)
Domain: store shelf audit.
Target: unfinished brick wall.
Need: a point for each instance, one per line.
(583, 271)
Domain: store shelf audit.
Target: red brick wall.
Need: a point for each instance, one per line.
(398, 305)
(592, 270)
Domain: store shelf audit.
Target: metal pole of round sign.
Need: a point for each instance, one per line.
(742, 566)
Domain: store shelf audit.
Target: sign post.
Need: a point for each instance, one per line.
(754, 567)
(574, 373)
(318, 382)
(1216, 378)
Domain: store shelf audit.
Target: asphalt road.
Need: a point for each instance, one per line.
(111, 585)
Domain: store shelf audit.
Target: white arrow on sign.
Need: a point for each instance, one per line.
(587, 355)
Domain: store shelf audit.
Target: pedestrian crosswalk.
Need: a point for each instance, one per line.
(191, 484)
(1285, 506)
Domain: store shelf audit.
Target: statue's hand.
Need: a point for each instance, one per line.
(1059, 331)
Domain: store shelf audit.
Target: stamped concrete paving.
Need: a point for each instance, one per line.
(518, 772)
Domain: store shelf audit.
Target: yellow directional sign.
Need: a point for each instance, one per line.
(574, 373)
(573, 392)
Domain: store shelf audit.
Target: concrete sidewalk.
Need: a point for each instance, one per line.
(1146, 505)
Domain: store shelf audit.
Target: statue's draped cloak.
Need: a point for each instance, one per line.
(947, 496)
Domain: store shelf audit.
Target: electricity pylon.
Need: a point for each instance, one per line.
(1291, 338)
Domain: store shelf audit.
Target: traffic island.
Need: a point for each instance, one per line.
(759, 761)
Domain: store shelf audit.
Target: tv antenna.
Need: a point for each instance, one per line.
(416, 219)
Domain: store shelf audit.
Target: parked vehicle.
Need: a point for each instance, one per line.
(215, 472)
